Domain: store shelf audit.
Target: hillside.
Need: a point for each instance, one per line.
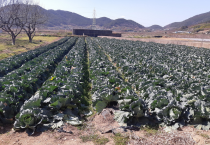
(201, 18)
(124, 23)
(59, 18)
(155, 27)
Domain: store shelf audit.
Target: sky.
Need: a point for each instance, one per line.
(144, 12)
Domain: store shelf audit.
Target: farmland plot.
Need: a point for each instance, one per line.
(172, 80)
(146, 83)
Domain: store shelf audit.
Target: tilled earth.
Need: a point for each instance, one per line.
(103, 125)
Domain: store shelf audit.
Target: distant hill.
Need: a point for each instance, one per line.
(155, 27)
(59, 18)
(201, 18)
(102, 21)
(124, 23)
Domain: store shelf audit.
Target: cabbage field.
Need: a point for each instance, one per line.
(146, 83)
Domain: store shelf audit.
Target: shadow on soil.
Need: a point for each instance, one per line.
(5, 128)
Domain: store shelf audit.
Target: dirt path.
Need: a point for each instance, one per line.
(103, 129)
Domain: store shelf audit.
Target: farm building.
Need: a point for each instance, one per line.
(95, 33)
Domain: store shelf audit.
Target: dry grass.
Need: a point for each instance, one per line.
(42, 38)
(120, 139)
(22, 44)
(54, 33)
(206, 136)
(150, 130)
(202, 26)
(96, 139)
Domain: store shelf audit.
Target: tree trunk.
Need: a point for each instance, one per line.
(30, 38)
(13, 40)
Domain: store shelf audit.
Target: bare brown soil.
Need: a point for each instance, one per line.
(51, 137)
(166, 34)
(103, 125)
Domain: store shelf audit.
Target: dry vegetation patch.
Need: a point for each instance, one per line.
(96, 139)
(22, 44)
(120, 139)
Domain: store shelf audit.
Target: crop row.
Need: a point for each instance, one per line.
(17, 89)
(109, 88)
(28, 67)
(64, 90)
(172, 80)
(16, 61)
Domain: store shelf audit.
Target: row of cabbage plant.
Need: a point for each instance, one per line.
(173, 80)
(109, 88)
(62, 92)
(16, 61)
(28, 67)
(19, 89)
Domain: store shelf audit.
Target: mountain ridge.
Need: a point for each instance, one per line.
(61, 17)
(194, 20)
(155, 27)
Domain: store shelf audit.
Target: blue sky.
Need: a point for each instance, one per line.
(145, 12)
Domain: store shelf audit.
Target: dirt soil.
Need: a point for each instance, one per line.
(104, 126)
(178, 41)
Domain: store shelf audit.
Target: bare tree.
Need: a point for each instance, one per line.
(10, 18)
(34, 17)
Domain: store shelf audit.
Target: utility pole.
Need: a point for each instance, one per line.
(94, 20)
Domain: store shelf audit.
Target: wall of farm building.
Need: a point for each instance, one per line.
(94, 33)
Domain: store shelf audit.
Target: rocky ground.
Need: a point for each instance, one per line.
(103, 129)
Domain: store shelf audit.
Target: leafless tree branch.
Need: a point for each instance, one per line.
(18, 15)
(10, 18)
(34, 17)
